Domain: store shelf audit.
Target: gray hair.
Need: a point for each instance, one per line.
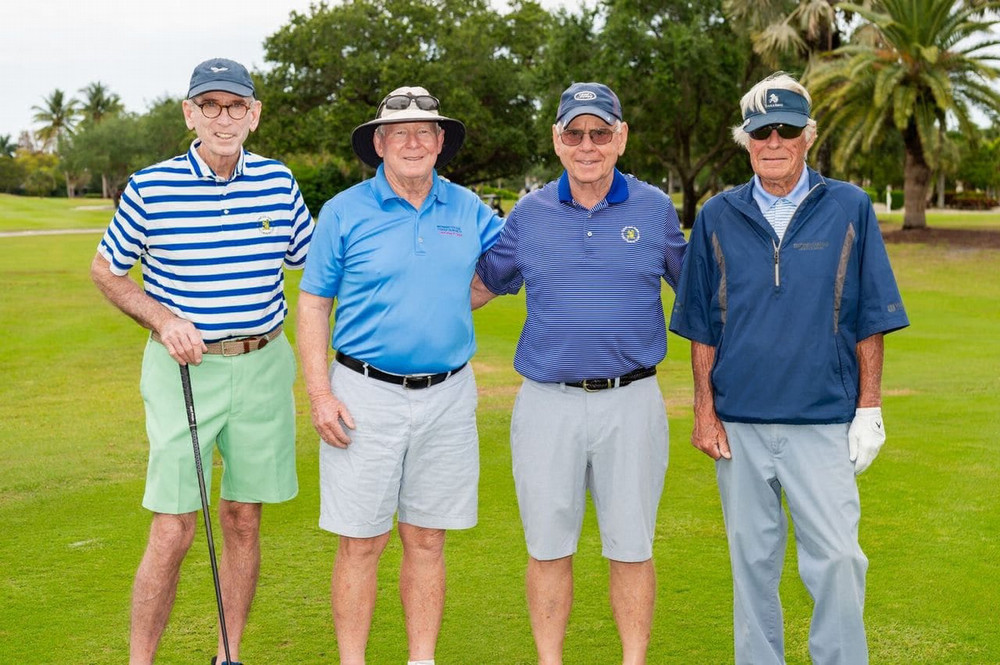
(754, 101)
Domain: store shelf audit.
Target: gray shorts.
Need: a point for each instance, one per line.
(412, 451)
(615, 443)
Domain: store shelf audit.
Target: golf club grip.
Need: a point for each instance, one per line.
(193, 426)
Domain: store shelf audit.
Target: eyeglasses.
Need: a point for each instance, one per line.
(600, 136)
(403, 101)
(784, 131)
(236, 110)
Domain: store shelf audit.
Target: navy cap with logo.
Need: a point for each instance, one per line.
(786, 107)
(220, 74)
(589, 99)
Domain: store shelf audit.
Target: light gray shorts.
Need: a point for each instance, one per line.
(566, 441)
(412, 451)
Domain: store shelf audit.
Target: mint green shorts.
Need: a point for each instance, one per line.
(244, 407)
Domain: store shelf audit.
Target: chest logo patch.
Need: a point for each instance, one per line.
(265, 225)
(630, 234)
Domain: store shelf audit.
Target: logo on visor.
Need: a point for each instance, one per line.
(585, 96)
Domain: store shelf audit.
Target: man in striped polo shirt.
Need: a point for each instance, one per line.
(786, 295)
(592, 250)
(213, 230)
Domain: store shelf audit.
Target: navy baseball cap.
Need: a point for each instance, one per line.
(786, 107)
(220, 74)
(589, 99)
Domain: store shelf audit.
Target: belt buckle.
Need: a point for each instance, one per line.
(232, 347)
(594, 385)
(412, 382)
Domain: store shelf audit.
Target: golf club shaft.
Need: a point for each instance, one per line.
(193, 426)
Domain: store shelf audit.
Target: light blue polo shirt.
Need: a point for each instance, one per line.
(401, 276)
(779, 217)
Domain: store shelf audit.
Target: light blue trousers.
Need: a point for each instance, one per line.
(810, 464)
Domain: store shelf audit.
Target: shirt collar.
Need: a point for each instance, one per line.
(384, 191)
(765, 199)
(617, 194)
(201, 169)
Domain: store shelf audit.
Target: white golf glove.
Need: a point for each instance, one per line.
(865, 437)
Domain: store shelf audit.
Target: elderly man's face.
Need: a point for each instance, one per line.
(779, 162)
(588, 163)
(221, 137)
(409, 149)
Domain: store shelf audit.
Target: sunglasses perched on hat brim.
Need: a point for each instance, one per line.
(401, 102)
(784, 131)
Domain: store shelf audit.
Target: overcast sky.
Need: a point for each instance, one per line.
(140, 49)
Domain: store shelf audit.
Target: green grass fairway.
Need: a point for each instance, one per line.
(73, 454)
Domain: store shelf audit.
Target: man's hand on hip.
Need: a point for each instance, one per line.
(865, 437)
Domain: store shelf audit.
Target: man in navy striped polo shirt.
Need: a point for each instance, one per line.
(592, 250)
(213, 230)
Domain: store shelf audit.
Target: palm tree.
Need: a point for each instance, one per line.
(58, 115)
(916, 64)
(7, 146)
(786, 32)
(99, 102)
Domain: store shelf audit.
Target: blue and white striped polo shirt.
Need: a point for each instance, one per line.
(212, 250)
(592, 278)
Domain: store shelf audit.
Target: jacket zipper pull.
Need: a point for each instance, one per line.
(777, 279)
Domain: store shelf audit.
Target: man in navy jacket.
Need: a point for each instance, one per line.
(785, 294)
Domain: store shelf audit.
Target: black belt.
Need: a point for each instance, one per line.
(414, 382)
(593, 385)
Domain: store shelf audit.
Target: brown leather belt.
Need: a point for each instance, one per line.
(236, 346)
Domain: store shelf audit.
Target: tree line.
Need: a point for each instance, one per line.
(897, 86)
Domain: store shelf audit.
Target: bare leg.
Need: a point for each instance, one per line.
(421, 587)
(155, 584)
(239, 569)
(633, 593)
(353, 591)
(550, 598)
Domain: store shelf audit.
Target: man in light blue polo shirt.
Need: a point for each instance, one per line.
(213, 229)
(786, 295)
(396, 410)
(592, 250)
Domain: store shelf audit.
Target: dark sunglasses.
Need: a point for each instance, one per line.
(402, 102)
(784, 131)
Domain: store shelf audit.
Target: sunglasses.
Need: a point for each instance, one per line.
(402, 102)
(784, 131)
(573, 137)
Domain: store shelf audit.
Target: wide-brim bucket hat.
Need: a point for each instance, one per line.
(363, 135)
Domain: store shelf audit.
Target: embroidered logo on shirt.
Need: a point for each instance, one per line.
(265, 225)
(630, 234)
(448, 230)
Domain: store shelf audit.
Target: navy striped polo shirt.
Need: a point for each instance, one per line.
(592, 278)
(212, 250)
